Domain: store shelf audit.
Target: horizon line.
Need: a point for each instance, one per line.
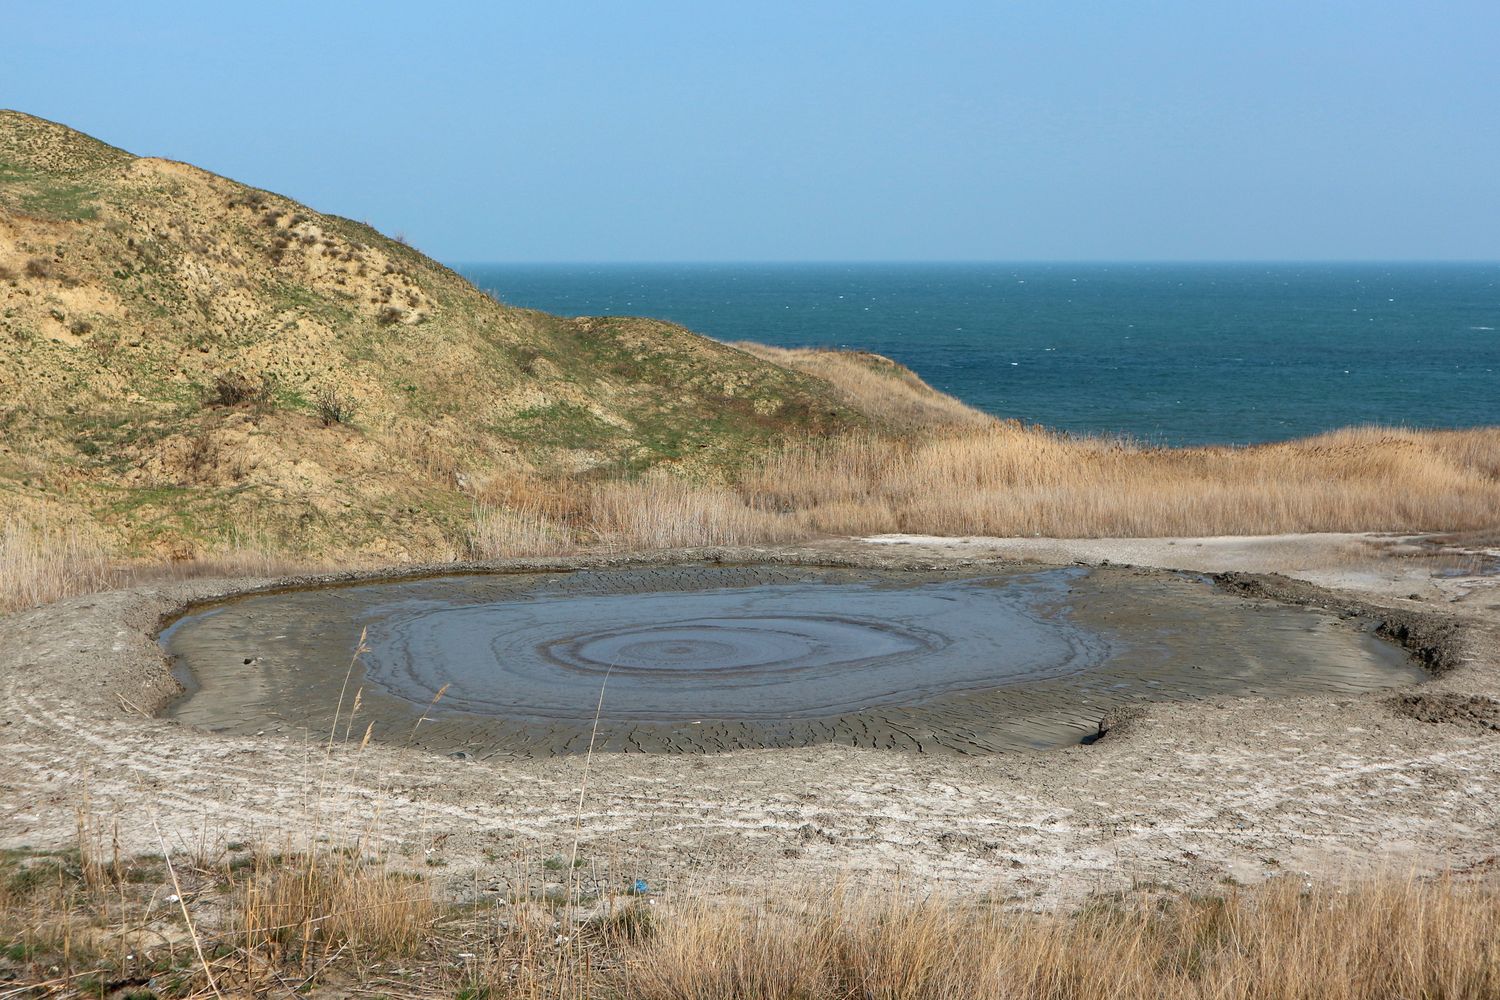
(989, 262)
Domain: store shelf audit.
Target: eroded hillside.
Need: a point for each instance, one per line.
(187, 360)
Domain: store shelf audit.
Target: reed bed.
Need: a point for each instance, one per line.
(42, 562)
(1012, 481)
(527, 528)
(1005, 480)
(994, 478)
(661, 511)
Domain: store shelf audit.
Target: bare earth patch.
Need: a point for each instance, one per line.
(1188, 795)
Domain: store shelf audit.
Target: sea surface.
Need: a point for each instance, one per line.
(1169, 354)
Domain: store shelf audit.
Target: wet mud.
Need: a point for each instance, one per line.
(701, 659)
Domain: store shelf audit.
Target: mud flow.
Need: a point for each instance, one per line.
(705, 659)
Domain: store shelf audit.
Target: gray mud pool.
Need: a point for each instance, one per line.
(705, 659)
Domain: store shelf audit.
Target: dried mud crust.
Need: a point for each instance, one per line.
(1474, 711)
(1435, 640)
(1182, 794)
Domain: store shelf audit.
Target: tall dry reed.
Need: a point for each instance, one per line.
(1010, 481)
(42, 562)
(1005, 480)
(660, 511)
(526, 529)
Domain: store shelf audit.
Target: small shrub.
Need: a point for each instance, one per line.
(326, 901)
(36, 267)
(633, 923)
(105, 344)
(388, 316)
(526, 359)
(335, 407)
(235, 388)
(80, 327)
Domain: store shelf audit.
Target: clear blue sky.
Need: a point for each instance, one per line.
(641, 131)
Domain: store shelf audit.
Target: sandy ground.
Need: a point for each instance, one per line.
(1188, 795)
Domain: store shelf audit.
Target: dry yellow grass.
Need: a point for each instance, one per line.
(325, 900)
(328, 920)
(1286, 941)
(239, 558)
(659, 512)
(42, 562)
(525, 529)
(1006, 480)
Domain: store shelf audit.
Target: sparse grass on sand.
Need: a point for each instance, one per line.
(875, 385)
(248, 921)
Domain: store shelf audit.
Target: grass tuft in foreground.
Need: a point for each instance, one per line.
(252, 922)
(1286, 940)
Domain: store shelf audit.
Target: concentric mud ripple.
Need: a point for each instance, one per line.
(771, 651)
(706, 659)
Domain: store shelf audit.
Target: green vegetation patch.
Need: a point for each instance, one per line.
(50, 198)
(559, 425)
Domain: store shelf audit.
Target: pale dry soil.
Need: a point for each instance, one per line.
(1187, 795)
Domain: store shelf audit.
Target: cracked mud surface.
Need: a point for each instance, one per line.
(1186, 794)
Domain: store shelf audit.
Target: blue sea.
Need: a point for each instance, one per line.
(1169, 354)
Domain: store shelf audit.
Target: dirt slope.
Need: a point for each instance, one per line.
(187, 360)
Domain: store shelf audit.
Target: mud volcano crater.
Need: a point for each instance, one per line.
(704, 659)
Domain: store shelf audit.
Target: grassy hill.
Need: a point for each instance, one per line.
(193, 368)
(186, 360)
